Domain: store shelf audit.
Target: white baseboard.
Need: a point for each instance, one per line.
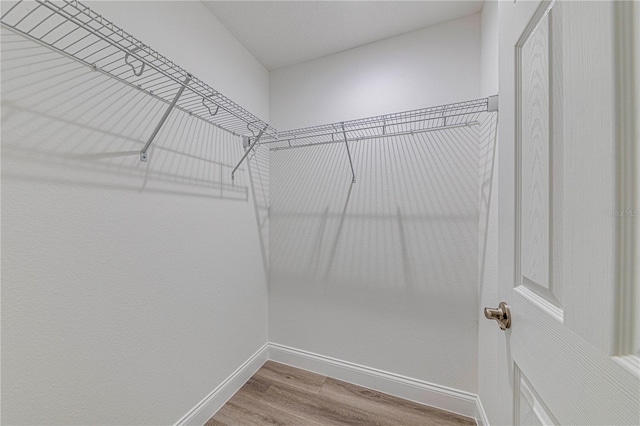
(481, 415)
(206, 408)
(442, 397)
(419, 391)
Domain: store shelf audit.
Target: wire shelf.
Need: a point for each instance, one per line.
(419, 120)
(76, 31)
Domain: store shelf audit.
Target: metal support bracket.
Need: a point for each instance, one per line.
(492, 103)
(246, 142)
(344, 133)
(143, 153)
(247, 151)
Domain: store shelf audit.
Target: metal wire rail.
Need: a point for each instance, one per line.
(74, 30)
(410, 122)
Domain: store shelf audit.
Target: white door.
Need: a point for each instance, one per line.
(568, 211)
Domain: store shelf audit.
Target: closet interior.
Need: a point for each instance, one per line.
(404, 185)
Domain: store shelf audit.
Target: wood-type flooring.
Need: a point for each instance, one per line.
(282, 395)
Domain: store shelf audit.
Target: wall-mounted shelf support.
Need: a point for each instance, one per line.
(143, 153)
(346, 142)
(257, 139)
(492, 103)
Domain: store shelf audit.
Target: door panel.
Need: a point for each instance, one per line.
(579, 383)
(590, 178)
(535, 71)
(529, 409)
(560, 253)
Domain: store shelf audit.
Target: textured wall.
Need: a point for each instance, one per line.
(188, 34)
(129, 290)
(383, 272)
(428, 67)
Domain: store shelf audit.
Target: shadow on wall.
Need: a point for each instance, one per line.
(117, 275)
(408, 225)
(382, 272)
(258, 162)
(83, 128)
(487, 134)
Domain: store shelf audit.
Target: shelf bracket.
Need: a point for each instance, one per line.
(257, 139)
(492, 103)
(143, 153)
(344, 133)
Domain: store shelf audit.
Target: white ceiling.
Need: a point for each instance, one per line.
(283, 33)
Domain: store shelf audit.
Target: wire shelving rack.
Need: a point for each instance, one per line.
(441, 117)
(414, 121)
(75, 31)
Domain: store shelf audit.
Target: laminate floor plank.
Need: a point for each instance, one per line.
(240, 410)
(281, 373)
(282, 395)
(255, 388)
(317, 408)
(391, 409)
(214, 422)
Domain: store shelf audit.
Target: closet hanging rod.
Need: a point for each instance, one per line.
(432, 118)
(284, 138)
(388, 135)
(74, 30)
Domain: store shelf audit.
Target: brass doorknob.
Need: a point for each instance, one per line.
(502, 315)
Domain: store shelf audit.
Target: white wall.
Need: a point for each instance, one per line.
(489, 48)
(428, 67)
(381, 273)
(492, 347)
(192, 37)
(129, 290)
